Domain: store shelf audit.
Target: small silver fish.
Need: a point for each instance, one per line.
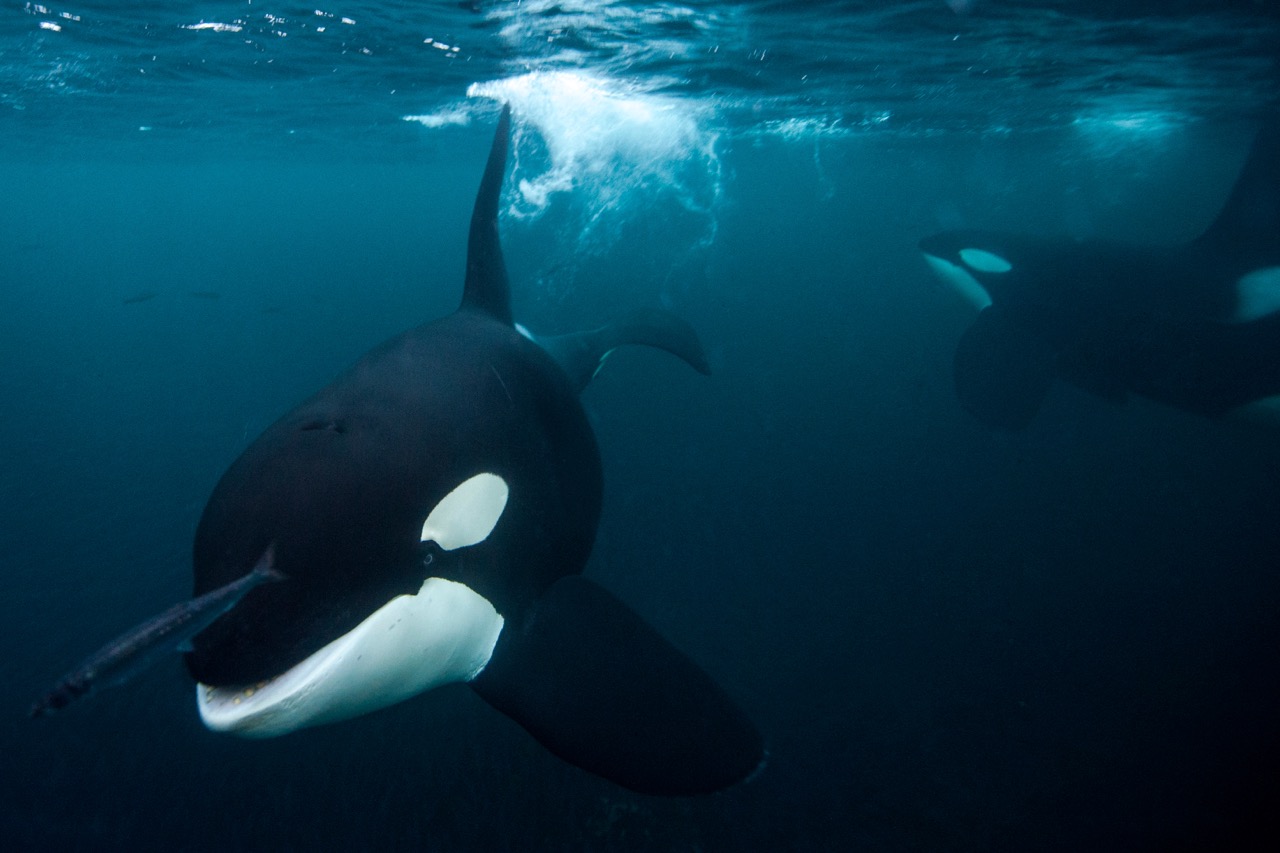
(140, 648)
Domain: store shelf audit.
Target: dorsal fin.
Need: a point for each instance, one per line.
(486, 288)
(1248, 227)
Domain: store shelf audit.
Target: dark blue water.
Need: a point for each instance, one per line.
(953, 639)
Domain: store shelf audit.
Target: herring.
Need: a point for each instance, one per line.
(141, 647)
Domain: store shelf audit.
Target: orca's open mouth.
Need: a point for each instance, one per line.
(413, 643)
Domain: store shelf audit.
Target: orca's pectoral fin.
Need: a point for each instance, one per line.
(1002, 371)
(582, 353)
(602, 690)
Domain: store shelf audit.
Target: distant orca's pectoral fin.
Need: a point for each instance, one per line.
(602, 690)
(1002, 371)
(582, 353)
(487, 289)
(1083, 369)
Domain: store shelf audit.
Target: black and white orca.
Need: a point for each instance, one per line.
(432, 510)
(1195, 326)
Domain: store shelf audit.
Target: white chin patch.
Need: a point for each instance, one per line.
(413, 643)
(1257, 295)
(960, 281)
(467, 515)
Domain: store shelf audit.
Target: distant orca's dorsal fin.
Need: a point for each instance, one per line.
(486, 288)
(581, 354)
(1248, 227)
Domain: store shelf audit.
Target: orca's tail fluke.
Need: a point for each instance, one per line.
(1248, 227)
(582, 353)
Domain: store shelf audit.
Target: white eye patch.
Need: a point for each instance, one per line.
(468, 514)
(983, 261)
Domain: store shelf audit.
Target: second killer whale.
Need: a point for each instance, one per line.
(1195, 326)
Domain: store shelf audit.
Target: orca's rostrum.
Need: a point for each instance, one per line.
(431, 511)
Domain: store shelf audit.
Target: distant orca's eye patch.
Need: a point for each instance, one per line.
(468, 514)
(984, 261)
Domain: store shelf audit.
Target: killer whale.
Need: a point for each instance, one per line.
(433, 509)
(428, 516)
(1195, 326)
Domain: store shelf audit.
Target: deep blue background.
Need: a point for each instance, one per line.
(953, 639)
